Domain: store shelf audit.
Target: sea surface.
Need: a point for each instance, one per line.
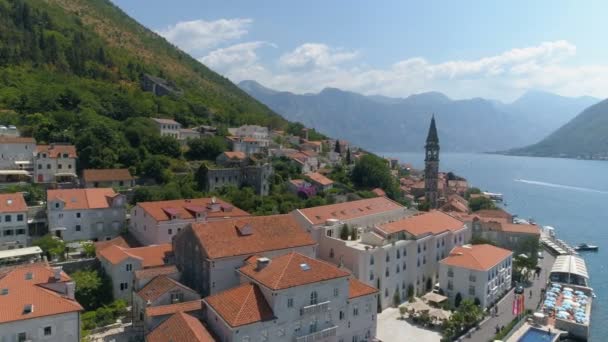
(570, 195)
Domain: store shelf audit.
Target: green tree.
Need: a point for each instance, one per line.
(457, 300)
(371, 171)
(53, 247)
(207, 148)
(344, 232)
(471, 191)
(402, 311)
(165, 145)
(479, 203)
(354, 233)
(93, 288)
(337, 147)
(156, 168)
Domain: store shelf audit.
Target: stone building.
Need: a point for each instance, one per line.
(431, 166)
(158, 86)
(55, 163)
(236, 170)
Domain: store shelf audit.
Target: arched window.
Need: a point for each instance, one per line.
(313, 298)
(398, 255)
(371, 259)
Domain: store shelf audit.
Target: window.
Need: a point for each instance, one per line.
(450, 285)
(397, 271)
(22, 337)
(371, 275)
(48, 166)
(290, 302)
(355, 338)
(129, 267)
(77, 227)
(386, 292)
(77, 215)
(177, 297)
(7, 218)
(8, 232)
(124, 286)
(472, 278)
(371, 259)
(341, 315)
(48, 331)
(355, 311)
(59, 166)
(472, 290)
(19, 217)
(388, 257)
(56, 205)
(404, 265)
(39, 166)
(170, 231)
(386, 272)
(69, 166)
(336, 292)
(331, 252)
(404, 252)
(398, 255)
(20, 232)
(451, 273)
(314, 298)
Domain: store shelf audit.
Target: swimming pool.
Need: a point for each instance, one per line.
(535, 335)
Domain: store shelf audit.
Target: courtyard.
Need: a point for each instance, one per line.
(391, 328)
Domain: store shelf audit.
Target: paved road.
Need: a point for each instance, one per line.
(487, 330)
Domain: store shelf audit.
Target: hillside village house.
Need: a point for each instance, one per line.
(320, 182)
(85, 214)
(120, 263)
(234, 169)
(306, 161)
(158, 222)
(180, 325)
(476, 272)
(160, 292)
(168, 127)
(293, 297)
(107, 178)
(249, 145)
(16, 158)
(250, 131)
(13, 221)
(38, 305)
(55, 163)
(207, 254)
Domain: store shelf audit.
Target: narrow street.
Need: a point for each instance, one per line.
(505, 315)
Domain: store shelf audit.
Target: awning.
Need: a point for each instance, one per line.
(65, 174)
(14, 172)
(12, 253)
(22, 162)
(58, 228)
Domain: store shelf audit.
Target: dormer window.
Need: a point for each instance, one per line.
(28, 308)
(4, 292)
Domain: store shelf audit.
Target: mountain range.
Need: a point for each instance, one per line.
(585, 136)
(386, 124)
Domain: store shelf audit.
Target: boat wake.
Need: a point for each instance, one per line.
(561, 186)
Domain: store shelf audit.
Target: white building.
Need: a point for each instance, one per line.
(394, 249)
(157, 222)
(250, 131)
(13, 221)
(120, 263)
(477, 272)
(55, 163)
(293, 297)
(208, 253)
(38, 305)
(85, 214)
(168, 127)
(16, 152)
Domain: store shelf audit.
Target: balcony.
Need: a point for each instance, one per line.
(315, 308)
(319, 335)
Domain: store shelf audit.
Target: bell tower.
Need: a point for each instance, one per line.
(431, 166)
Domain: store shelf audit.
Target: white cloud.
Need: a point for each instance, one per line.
(314, 55)
(199, 35)
(238, 55)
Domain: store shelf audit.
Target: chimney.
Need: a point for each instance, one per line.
(70, 289)
(57, 273)
(262, 263)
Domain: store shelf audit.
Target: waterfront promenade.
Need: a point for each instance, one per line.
(487, 330)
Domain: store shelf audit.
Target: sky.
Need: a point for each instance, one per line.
(464, 49)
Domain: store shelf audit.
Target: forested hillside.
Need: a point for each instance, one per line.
(70, 71)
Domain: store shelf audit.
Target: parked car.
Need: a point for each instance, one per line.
(519, 289)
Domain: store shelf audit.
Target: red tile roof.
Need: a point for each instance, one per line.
(159, 286)
(241, 305)
(166, 121)
(119, 241)
(358, 289)
(319, 178)
(186, 209)
(476, 257)
(94, 198)
(494, 213)
(5, 139)
(235, 155)
(520, 228)
(57, 151)
(149, 273)
(106, 175)
(350, 210)
(12, 203)
(291, 270)
(23, 292)
(180, 327)
(268, 233)
(162, 310)
(434, 222)
(151, 256)
(379, 192)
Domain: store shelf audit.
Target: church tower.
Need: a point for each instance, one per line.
(431, 166)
